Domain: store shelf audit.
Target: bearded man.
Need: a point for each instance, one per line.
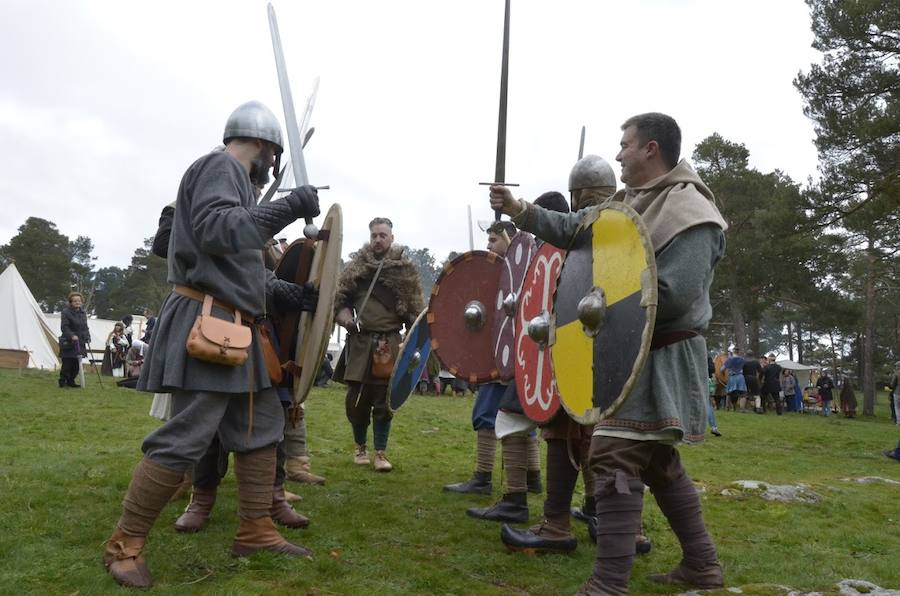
(215, 250)
(381, 285)
(667, 405)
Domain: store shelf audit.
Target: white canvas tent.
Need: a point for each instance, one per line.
(22, 323)
(803, 372)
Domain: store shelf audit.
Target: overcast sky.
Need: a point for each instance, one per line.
(105, 104)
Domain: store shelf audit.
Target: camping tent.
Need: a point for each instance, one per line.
(804, 373)
(22, 324)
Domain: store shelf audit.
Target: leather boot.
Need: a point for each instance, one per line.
(699, 567)
(512, 508)
(544, 537)
(297, 469)
(360, 456)
(586, 512)
(124, 559)
(380, 462)
(255, 473)
(283, 513)
(148, 493)
(198, 511)
(534, 482)
(710, 576)
(480, 483)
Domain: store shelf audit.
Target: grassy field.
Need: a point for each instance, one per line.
(66, 458)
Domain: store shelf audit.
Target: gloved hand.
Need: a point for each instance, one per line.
(293, 297)
(304, 201)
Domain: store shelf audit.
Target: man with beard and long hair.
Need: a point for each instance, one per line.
(381, 285)
(636, 446)
(217, 235)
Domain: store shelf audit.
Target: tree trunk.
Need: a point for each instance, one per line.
(790, 341)
(799, 341)
(754, 336)
(737, 321)
(868, 379)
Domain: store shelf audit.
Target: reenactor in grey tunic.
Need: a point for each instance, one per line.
(668, 404)
(217, 236)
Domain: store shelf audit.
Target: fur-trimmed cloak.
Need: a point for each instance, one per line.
(399, 275)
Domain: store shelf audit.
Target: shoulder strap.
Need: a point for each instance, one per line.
(362, 306)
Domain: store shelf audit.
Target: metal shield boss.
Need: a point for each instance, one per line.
(461, 315)
(605, 311)
(535, 382)
(410, 362)
(503, 335)
(314, 329)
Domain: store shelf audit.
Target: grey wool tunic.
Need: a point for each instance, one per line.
(215, 248)
(669, 400)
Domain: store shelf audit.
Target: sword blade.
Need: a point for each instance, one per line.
(500, 163)
(287, 101)
(581, 145)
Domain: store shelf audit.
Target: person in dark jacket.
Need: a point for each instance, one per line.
(73, 339)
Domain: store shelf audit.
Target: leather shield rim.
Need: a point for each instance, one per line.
(420, 320)
(318, 327)
(649, 300)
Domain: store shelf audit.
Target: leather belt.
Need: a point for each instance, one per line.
(199, 296)
(661, 340)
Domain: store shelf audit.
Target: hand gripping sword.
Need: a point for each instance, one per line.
(290, 118)
(500, 164)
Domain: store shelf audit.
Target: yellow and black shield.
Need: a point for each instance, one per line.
(605, 311)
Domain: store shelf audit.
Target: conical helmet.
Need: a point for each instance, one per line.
(256, 121)
(591, 171)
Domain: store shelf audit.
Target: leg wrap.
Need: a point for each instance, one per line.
(534, 454)
(152, 485)
(515, 460)
(561, 478)
(680, 503)
(620, 500)
(255, 471)
(486, 447)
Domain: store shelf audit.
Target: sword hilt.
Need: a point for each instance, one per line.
(497, 211)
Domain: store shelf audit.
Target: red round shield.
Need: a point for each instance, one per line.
(461, 315)
(535, 382)
(518, 256)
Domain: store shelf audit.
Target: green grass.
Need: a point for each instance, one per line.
(66, 457)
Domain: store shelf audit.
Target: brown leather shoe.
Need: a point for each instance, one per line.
(283, 513)
(198, 511)
(381, 463)
(297, 469)
(260, 534)
(709, 577)
(360, 456)
(124, 560)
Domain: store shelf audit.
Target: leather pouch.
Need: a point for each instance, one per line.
(217, 340)
(382, 359)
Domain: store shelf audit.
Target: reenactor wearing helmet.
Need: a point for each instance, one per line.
(636, 445)
(591, 182)
(217, 236)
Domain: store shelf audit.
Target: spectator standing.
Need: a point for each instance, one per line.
(149, 325)
(895, 392)
(771, 384)
(752, 375)
(73, 339)
(737, 385)
(825, 385)
(789, 389)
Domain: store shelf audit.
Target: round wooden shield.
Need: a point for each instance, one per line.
(468, 286)
(410, 363)
(314, 329)
(519, 254)
(293, 265)
(535, 383)
(611, 258)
